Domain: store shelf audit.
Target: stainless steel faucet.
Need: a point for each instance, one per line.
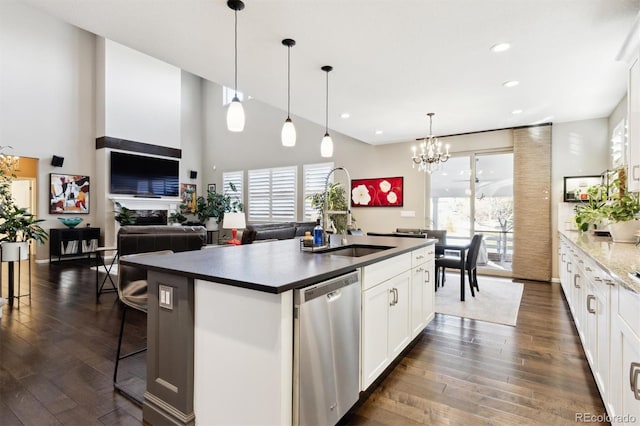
(326, 212)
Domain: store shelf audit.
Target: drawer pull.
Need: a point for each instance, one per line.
(590, 297)
(634, 372)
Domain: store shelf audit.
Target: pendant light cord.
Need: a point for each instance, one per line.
(326, 114)
(236, 54)
(288, 81)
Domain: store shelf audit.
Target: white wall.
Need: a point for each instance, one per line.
(578, 148)
(142, 97)
(47, 73)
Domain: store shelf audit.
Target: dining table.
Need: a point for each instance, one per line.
(450, 244)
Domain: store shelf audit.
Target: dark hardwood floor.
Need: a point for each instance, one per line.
(56, 363)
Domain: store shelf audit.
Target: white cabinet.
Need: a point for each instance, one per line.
(397, 304)
(633, 117)
(385, 320)
(422, 289)
(625, 356)
(588, 290)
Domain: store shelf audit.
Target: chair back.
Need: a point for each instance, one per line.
(438, 234)
(474, 249)
(132, 281)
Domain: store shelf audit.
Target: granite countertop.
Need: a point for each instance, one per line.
(618, 259)
(272, 267)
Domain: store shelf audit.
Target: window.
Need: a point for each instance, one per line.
(235, 178)
(228, 93)
(314, 176)
(272, 194)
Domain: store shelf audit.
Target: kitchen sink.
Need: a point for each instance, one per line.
(355, 250)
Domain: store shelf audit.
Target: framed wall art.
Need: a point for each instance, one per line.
(377, 192)
(69, 194)
(188, 195)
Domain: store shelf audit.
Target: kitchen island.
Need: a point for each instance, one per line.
(220, 323)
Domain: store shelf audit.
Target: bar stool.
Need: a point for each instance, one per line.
(132, 292)
(107, 268)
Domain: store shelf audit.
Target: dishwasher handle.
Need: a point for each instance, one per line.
(329, 288)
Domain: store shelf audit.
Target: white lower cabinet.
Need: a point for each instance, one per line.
(395, 308)
(422, 289)
(385, 319)
(607, 317)
(625, 357)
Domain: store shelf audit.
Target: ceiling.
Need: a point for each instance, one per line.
(393, 61)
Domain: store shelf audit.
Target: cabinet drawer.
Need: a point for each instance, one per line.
(422, 255)
(628, 302)
(373, 275)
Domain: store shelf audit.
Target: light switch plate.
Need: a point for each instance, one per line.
(165, 296)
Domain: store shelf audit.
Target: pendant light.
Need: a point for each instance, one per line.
(288, 135)
(235, 113)
(326, 147)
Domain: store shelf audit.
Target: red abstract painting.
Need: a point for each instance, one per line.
(379, 192)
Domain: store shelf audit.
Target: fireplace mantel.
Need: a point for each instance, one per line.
(139, 203)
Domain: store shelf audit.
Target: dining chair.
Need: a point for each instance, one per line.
(452, 262)
(132, 291)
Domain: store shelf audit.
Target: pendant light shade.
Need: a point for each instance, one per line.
(235, 116)
(326, 147)
(288, 134)
(235, 113)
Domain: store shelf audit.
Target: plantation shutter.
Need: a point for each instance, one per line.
(314, 176)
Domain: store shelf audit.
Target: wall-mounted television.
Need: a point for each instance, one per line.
(142, 175)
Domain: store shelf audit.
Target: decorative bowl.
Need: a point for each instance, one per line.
(71, 222)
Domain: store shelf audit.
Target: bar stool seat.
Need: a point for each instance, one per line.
(132, 292)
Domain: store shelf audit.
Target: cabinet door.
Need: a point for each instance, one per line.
(428, 295)
(418, 291)
(633, 176)
(375, 332)
(399, 313)
(625, 355)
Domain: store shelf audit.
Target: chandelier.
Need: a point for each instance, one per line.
(431, 157)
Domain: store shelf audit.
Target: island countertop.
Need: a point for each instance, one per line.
(272, 267)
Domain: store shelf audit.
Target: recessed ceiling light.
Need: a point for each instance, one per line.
(516, 111)
(500, 47)
(511, 83)
(345, 115)
(378, 132)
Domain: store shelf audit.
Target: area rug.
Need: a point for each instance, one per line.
(497, 301)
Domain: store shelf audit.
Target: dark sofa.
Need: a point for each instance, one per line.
(143, 239)
(276, 231)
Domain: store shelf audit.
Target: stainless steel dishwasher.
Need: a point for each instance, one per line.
(326, 350)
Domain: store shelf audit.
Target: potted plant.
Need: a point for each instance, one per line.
(591, 212)
(211, 210)
(177, 218)
(18, 226)
(622, 211)
(336, 201)
(124, 216)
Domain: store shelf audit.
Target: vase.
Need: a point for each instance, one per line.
(211, 224)
(624, 232)
(13, 251)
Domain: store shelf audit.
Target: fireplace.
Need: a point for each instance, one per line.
(151, 217)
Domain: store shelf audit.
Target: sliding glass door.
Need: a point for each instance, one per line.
(473, 194)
